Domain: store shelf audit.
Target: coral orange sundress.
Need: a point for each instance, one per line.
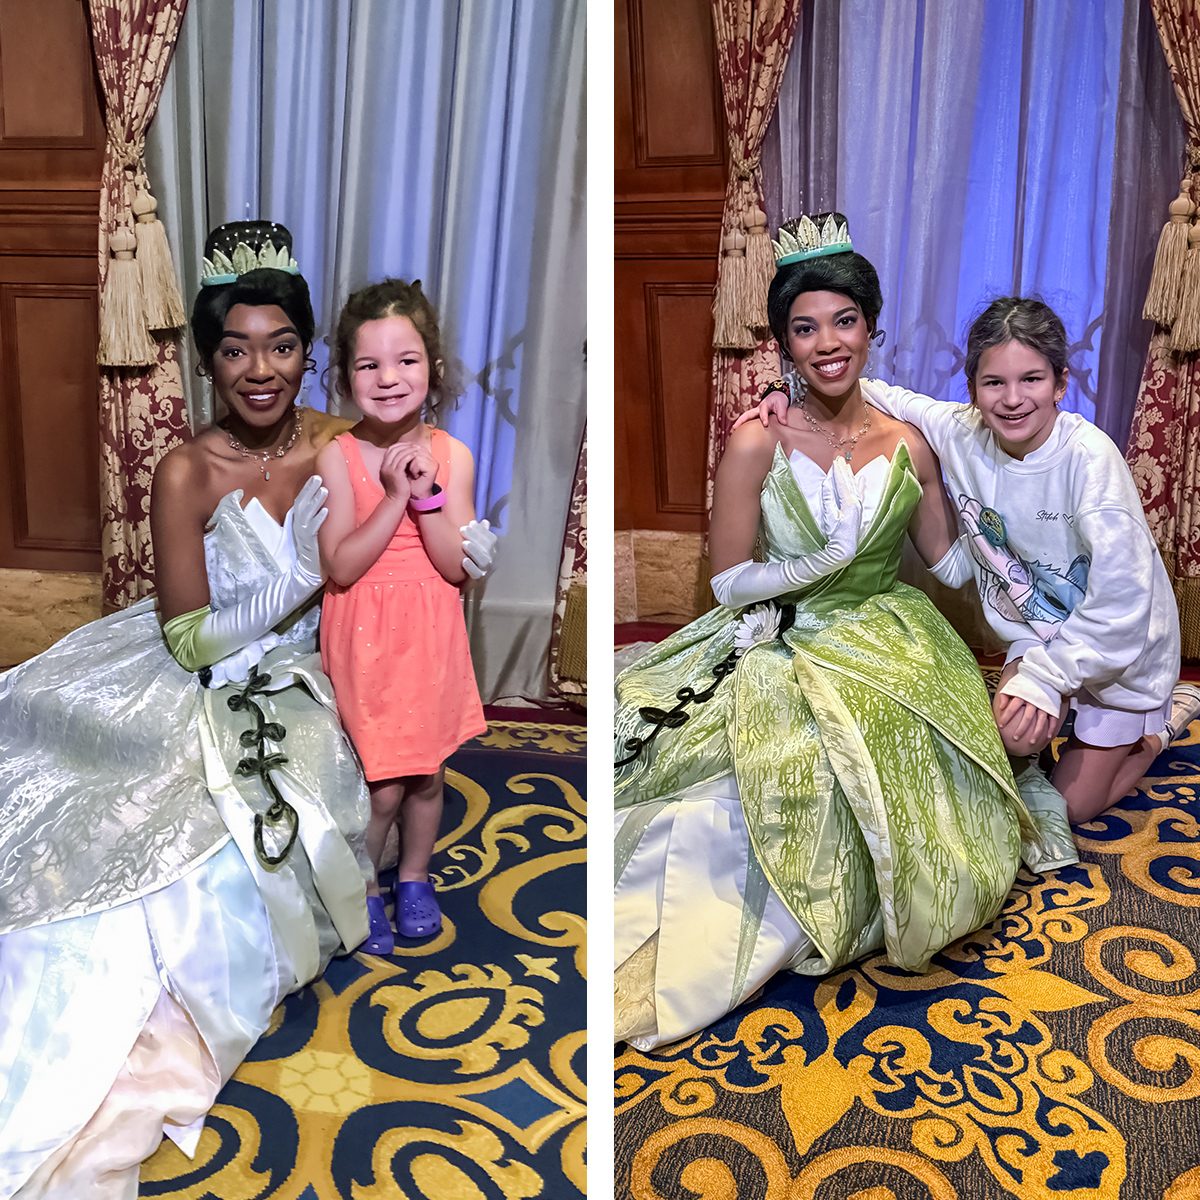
(394, 643)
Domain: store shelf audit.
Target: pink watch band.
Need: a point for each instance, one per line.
(430, 503)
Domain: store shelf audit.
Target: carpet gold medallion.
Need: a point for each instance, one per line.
(455, 1067)
(1052, 1055)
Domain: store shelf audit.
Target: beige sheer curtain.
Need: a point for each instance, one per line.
(142, 410)
(754, 38)
(1164, 443)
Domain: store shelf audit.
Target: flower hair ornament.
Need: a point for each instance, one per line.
(242, 246)
(801, 238)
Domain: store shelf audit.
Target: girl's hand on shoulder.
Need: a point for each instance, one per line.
(393, 472)
(422, 472)
(774, 403)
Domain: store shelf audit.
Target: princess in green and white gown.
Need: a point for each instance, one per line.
(143, 945)
(831, 781)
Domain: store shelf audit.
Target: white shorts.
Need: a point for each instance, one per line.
(1100, 724)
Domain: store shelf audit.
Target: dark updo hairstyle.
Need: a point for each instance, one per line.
(847, 273)
(376, 301)
(1023, 319)
(265, 285)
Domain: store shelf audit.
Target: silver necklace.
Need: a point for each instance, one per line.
(263, 457)
(849, 441)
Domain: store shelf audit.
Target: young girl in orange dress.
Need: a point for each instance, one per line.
(393, 639)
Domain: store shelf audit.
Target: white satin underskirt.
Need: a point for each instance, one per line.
(123, 1025)
(686, 881)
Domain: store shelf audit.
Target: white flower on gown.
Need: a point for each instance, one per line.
(758, 624)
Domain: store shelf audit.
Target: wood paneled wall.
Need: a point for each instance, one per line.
(51, 153)
(670, 186)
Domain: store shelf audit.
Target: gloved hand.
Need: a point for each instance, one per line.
(204, 636)
(237, 666)
(841, 508)
(841, 504)
(479, 548)
(308, 515)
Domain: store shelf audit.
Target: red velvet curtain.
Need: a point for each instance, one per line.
(568, 638)
(754, 38)
(1164, 442)
(142, 409)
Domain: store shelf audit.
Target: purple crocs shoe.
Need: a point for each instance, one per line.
(417, 912)
(380, 939)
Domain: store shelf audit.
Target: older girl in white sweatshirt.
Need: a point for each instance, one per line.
(1057, 542)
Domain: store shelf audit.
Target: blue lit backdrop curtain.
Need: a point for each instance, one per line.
(435, 140)
(983, 149)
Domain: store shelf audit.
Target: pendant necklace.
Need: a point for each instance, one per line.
(849, 441)
(263, 457)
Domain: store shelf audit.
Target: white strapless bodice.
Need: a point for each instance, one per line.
(244, 548)
(871, 480)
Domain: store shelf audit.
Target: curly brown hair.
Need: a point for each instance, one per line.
(390, 298)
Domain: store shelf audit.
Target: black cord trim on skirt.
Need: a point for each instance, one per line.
(261, 764)
(677, 716)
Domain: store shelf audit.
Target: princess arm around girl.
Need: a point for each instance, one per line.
(1058, 545)
(393, 639)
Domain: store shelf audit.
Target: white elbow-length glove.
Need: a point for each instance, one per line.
(206, 636)
(752, 582)
(956, 566)
(479, 548)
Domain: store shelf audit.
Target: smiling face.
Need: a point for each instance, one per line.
(827, 339)
(1017, 392)
(389, 370)
(258, 363)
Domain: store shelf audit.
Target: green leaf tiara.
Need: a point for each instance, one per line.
(222, 268)
(800, 239)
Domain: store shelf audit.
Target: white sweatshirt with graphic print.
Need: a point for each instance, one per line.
(1065, 565)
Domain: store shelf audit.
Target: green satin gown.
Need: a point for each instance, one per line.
(879, 804)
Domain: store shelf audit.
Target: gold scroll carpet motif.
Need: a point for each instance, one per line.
(455, 1068)
(1053, 1055)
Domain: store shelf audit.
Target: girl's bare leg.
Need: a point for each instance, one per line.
(386, 798)
(1093, 778)
(420, 819)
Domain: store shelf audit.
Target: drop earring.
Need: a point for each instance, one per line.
(797, 387)
(310, 367)
(871, 366)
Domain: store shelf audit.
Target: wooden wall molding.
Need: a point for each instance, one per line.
(51, 156)
(47, 85)
(50, 427)
(692, 231)
(670, 497)
(655, 123)
(76, 201)
(669, 206)
(52, 223)
(669, 193)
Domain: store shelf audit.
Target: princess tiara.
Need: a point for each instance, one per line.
(222, 268)
(800, 238)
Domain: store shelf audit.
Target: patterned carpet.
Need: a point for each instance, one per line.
(1054, 1055)
(455, 1068)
